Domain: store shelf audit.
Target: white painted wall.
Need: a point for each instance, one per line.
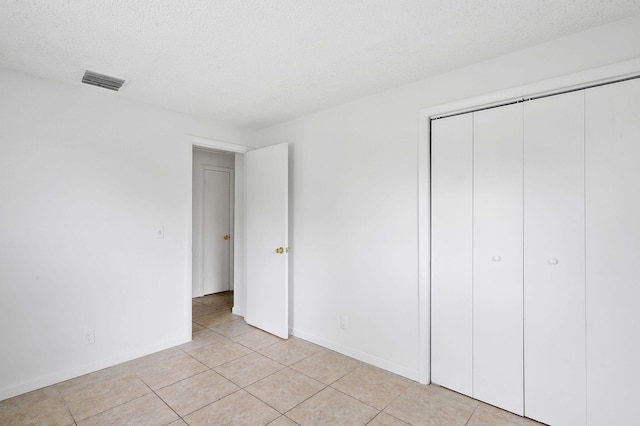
(239, 239)
(202, 158)
(85, 178)
(354, 197)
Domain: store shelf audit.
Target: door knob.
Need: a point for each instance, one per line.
(552, 261)
(280, 250)
(496, 258)
(226, 237)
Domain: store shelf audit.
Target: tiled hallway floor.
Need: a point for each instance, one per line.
(234, 374)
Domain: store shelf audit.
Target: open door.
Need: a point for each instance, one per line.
(267, 239)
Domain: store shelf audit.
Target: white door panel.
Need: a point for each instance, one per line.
(497, 257)
(451, 234)
(267, 297)
(613, 253)
(554, 266)
(216, 224)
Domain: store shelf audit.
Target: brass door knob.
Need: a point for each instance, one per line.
(226, 237)
(280, 250)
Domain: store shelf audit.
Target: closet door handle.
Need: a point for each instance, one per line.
(496, 258)
(552, 261)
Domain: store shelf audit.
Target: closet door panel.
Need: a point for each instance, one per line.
(451, 233)
(498, 258)
(613, 253)
(554, 266)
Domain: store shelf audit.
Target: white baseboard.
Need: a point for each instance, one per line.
(32, 384)
(359, 355)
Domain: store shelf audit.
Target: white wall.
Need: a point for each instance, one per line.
(85, 178)
(239, 240)
(354, 197)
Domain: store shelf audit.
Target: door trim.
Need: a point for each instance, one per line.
(576, 81)
(190, 143)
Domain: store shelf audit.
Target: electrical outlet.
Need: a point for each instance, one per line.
(344, 322)
(90, 337)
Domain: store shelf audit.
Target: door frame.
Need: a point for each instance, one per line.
(576, 81)
(199, 142)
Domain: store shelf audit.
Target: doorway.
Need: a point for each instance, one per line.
(213, 215)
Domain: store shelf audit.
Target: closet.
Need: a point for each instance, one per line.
(535, 247)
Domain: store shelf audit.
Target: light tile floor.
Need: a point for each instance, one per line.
(234, 374)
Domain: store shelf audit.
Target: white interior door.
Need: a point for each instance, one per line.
(497, 257)
(451, 252)
(216, 230)
(554, 266)
(267, 239)
(613, 251)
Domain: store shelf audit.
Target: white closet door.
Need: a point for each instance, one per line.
(451, 223)
(613, 253)
(554, 266)
(497, 257)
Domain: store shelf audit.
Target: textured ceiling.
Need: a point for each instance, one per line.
(255, 63)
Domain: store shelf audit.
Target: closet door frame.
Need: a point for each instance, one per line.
(576, 81)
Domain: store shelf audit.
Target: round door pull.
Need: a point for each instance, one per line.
(496, 258)
(280, 250)
(226, 237)
(552, 261)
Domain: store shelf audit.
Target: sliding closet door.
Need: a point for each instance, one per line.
(451, 223)
(497, 257)
(554, 266)
(613, 253)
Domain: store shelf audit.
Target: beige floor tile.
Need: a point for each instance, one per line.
(249, 369)
(200, 311)
(142, 362)
(165, 372)
(257, 339)
(372, 385)
(210, 299)
(441, 392)
(383, 419)
(147, 410)
(419, 406)
(511, 417)
(327, 366)
(98, 397)
(40, 407)
(485, 418)
(178, 422)
(195, 327)
(232, 328)
(290, 351)
(285, 389)
(283, 421)
(220, 353)
(237, 409)
(200, 339)
(215, 318)
(330, 407)
(119, 370)
(189, 395)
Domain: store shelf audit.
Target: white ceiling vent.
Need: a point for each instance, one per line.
(102, 80)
